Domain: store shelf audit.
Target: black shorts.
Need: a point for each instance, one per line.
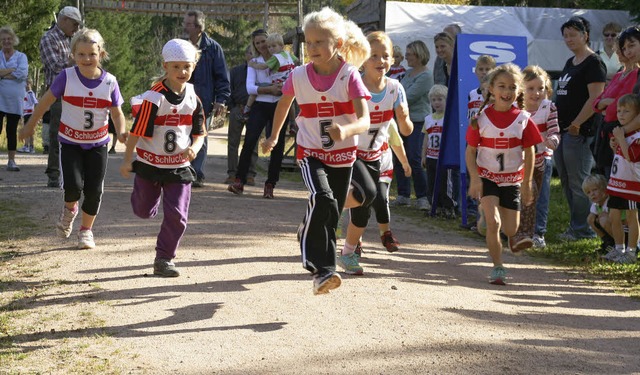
(509, 195)
(619, 203)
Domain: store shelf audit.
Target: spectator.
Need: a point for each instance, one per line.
(438, 66)
(416, 82)
(444, 43)
(14, 69)
(622, 83)
(237, 101)
(209, 79)
(260, 117)
(55, 54)
(397, 70)
(608, 54)
(581, 81)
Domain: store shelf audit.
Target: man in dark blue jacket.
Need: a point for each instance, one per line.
(210, 80)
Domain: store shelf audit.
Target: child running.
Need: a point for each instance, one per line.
(533, 217)
(500, 156)
(280, 65)
(89, 94)
(387, 98)
(624, 181)
(333, 111)
(169, 116)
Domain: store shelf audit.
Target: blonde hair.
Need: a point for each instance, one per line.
(382, 38)
(597, 181)
(91, 36)
(438, 90)
(486, 60)
(397, 49)
(514, 71)
(9, 31)
(630, 101)
(275, 38)
(421, 51)
(355, 47)
(445, 37)
(532, 72)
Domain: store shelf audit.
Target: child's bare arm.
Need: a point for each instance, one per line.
(618, 134)
(257, 65)
(401, 154)
(127, 160)
(119, 122)
(526, 188)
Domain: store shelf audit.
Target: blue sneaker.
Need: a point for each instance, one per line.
(350, 264)
(498, 276)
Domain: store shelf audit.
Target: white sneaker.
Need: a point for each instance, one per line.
(23, 149)
(423, 204)
(401, 201)
(65, 223)
(539, 242)
(31, 150)
(12, 166)
(85, 239)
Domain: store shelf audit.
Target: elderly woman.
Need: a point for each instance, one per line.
(14, 69)
(417, 82)
(608, 55)
(581, 81)
(444, 43)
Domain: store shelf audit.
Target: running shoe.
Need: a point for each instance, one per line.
(326, 282)
(65, 223)
(350, 264)
(498, 276)
(389, 241)
(85, 239)
(165, 268)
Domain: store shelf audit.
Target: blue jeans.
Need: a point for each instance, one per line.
(573, 161)
(542, 206)
(201, 159)
(413, 147)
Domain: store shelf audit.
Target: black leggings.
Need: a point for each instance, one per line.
(381, 203)
(12, 129)
(365, 188)
(327, 193)
(83, 171)
(261, 116)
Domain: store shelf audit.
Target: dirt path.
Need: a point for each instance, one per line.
(244, 305)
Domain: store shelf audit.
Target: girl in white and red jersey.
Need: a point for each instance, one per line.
(500, 155)
(169, 116)
(387, 98)
(624, 182)
(333, 111)
(30, 102)
(89, 94)
(533, 218)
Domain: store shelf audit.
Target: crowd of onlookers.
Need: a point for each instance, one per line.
(591, 116)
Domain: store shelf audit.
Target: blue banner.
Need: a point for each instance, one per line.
(505, 49)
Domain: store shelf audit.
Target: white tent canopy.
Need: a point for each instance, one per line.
(406, 22)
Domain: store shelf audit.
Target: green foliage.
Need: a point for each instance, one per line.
(234, 36)
(29, 19)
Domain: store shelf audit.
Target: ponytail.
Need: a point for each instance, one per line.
(355, 48)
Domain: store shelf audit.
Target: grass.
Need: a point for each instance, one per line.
(580, 255)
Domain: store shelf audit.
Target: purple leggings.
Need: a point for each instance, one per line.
(145, 200)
